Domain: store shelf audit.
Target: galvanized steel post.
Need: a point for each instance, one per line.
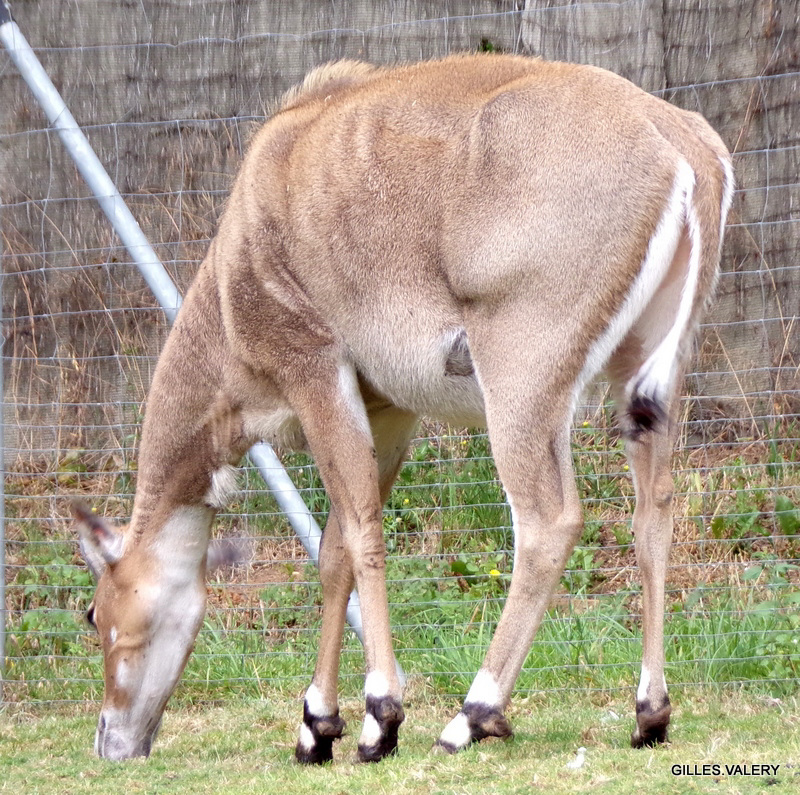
(5, 21)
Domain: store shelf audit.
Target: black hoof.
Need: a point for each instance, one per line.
(315, 746)
(388, 714)
(474, 723)
(486, 722)
(442, 747)
(651, 725)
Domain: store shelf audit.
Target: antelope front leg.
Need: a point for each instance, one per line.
(392, 430)
(321, 722)
(339, 435)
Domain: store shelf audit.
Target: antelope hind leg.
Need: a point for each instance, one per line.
(650, 458)
(529, 432)
(545, 533)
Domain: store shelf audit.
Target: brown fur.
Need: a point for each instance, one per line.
(448, 238)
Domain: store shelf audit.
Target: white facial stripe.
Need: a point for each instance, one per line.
(122, 675)
(376, 685)
(316, 703)
(371, 733)
(457, 733)
(306, 737)
(484, 690)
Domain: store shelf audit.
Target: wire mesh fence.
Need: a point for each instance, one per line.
(169, 94)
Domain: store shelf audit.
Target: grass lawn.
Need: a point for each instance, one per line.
(732, 629)
(248, 747)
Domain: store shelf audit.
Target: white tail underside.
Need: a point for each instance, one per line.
(655, 376)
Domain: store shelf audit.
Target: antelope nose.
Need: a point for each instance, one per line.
(116, 739)
(110, 742)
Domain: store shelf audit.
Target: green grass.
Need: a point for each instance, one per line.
(249, 748)
(733, 597)
(732, 631)
(586, 643)
(733, 602)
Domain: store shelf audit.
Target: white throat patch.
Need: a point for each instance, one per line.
(182, 543)
(223, 487)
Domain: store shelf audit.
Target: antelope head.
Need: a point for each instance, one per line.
(147, 609)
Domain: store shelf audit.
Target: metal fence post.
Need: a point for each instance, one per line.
(5, 17)
(2, 471)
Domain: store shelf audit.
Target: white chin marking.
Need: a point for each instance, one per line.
(457, 732)
(316, 703)
(484, 690)
(644, 683)
(306, 737)
(376, 685)
(371, 732)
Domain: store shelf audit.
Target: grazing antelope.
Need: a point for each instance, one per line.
(471, 239)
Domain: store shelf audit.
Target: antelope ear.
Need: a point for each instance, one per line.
(101, 544)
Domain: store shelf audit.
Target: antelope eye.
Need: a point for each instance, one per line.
(90, 615)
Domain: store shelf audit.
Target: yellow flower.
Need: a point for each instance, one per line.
(406, 501)
(494, 573)
(586, 423)
(625, 467)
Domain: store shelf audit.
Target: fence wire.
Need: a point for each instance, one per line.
(169, 93)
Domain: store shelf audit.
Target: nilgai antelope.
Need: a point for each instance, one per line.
(471, 239)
